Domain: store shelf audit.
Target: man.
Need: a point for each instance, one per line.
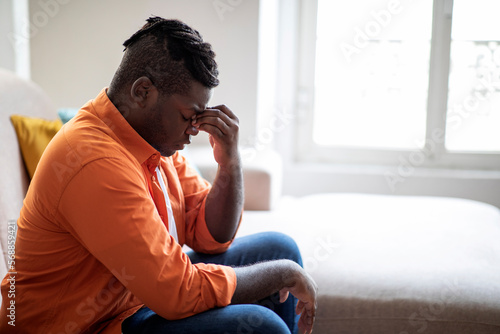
(100, 235)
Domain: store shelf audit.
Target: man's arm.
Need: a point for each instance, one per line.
(131, 230)
(225, 200)
(260, 280)
(222, 214)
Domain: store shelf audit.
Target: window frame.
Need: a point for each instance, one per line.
(433, 154)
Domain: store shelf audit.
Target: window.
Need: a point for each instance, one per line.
(381, 80)
(473, 118)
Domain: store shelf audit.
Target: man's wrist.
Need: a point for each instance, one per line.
(291, 273)
(262, 279)
(232, 165)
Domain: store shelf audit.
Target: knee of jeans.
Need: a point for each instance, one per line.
(259, 319)
(284, 245)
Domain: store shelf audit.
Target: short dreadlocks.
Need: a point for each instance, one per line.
(171, 54)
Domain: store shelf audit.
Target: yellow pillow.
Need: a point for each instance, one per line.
(33, 135)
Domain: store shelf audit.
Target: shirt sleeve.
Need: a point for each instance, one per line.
(195, 190)
(107, 207)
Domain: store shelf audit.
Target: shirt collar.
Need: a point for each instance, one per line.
(130, 139)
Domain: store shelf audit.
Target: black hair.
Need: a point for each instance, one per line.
(171, 54)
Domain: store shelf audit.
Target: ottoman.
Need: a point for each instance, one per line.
(392, 264)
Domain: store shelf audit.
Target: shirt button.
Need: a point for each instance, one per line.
(152, 178)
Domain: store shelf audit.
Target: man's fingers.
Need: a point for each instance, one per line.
(225, 110)
(217, 131)
(300, 307)
(212, 116)
(304, 327)
(221, 112)
(216, 123)
(307, 313)
(306, 322)
(283, 295)
(222, 125)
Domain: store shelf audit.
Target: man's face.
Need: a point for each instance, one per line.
(170, 127)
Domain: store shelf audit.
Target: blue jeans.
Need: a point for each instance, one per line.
(266, 316)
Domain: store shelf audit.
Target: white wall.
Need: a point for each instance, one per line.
(77, 48)
(7, 55)
(14, 37)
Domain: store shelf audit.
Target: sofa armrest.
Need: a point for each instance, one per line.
(262, 175)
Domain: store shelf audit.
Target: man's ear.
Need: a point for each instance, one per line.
(143, 92)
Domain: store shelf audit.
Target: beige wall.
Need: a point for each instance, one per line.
(77, 45)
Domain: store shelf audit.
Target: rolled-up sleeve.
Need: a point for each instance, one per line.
(113, 216)
(195, 190)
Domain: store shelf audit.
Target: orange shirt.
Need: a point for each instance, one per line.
(92, 247)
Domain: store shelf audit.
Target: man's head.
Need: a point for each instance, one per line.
(171, 54)
(165, 78)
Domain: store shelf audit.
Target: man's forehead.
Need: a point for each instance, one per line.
(201, 98)
(196, 100)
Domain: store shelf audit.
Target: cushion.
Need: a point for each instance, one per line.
(33, 135)
(65, 114)
(395, 264)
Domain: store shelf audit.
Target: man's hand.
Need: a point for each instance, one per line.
(261, 280)
(304, 290)
(222, 125)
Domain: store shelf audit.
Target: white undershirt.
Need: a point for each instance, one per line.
(172, 229)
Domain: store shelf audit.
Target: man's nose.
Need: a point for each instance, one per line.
(192, 131)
